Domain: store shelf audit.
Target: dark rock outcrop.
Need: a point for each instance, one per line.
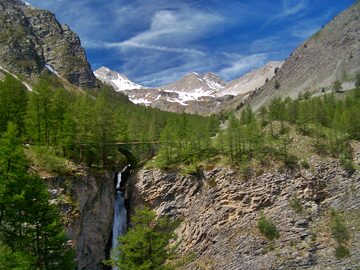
(31, 38)
(86, 203)
(220, 210)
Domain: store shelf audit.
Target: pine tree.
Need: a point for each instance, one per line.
(28, 224)
(145, 245)
(13, 102)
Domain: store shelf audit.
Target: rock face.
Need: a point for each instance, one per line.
(220, 210)
(252, 80)
(86, 203)
(331, 54)
(32, 40)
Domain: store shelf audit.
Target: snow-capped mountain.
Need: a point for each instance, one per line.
(193, 87)
(202, 84)
(193, 93)
(117, 80)
(252, 80)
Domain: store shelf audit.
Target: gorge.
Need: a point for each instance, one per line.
(259, 173)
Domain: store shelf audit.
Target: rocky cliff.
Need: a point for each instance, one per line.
(332, 54)
(220, 209)
(86, 203)
(32, 40)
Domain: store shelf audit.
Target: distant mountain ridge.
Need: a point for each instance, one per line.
(203, 84)
(193, 93)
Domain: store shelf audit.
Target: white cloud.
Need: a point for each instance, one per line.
(170, 30)
(243, 64)
(305, 32)
(291, 7)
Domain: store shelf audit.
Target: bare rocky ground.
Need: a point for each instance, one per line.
(220, 209)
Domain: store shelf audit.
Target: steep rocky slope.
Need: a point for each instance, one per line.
(220, 209)
(86, 202)
(329, 55)
(32, 40)
(252, 80)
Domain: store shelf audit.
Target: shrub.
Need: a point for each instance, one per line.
(267, 228)
(296, 204)
(340, 234)
(337, 86)
(291, 162)
(305, 164)
(342, 252)
(357, 80)
(338, 228)
(346, 161)
(277, 85)
(46, 158)
(192, 169)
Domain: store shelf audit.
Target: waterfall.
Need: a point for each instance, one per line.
(119, 227)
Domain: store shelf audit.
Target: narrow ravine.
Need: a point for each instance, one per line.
(119, 227)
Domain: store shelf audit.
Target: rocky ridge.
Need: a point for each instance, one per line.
(195, 93)
(219, 209)
(252, 80)
(331, 54)
(32, 40)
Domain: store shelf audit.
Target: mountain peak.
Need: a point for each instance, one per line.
(196, 82)
(115, 79)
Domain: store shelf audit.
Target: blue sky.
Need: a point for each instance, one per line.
(154, 42)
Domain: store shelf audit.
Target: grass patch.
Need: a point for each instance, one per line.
(45, 159)
(296, 205)
(267, 228)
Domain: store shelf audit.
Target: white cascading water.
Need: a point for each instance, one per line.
(119, 227)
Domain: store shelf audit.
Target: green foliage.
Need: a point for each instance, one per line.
(342, 252)
(46, 158)
(305, 164)
(267, 228)
(357, 79)
(192, 169)
(296, 205)
(340, 234)
(338, 227)
(17, 260)
(337, 86)
(12, 103)
(29, 226)
(145, 245)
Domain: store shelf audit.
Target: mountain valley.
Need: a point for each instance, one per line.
(260, 172)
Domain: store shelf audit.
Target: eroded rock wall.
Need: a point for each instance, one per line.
(220, 210)
(86, 203)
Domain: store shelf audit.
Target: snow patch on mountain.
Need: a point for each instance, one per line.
(16, 77)
(117, 80)
(193, 87)
(51, 69)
